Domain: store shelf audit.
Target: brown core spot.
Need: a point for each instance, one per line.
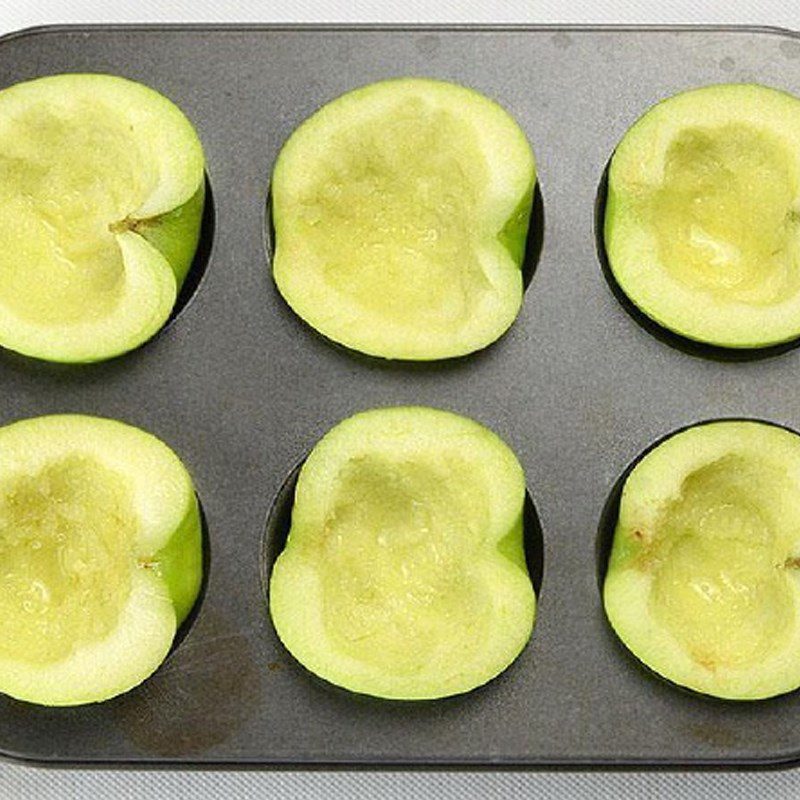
(705, 661)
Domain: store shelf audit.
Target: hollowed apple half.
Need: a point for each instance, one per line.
(101, 199)
(400, 212)
(703, 582)
(702, 221)
(100, 557)
(404, 572)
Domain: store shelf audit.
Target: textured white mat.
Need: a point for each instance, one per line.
(786, 13)
(26, 783)
(20, 783)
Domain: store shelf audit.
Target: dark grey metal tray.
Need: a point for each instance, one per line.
(242, 389)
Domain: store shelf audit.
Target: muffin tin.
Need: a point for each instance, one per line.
(241, 389)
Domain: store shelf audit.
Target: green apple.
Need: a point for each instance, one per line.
(100, 546)
(400, 212)
(702, 222)
(404, 572)
(101, 200)
(703, 582)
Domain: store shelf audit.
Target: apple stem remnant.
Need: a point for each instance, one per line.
(130, 224)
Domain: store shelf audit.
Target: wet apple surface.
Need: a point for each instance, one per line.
(400, 543)
(724, 214)
(377, 217)
(66, 534)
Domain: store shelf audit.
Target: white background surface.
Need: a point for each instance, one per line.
(26, 783)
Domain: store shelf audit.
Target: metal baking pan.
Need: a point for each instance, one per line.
(242, 389)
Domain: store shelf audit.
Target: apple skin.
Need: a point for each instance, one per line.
(514, 236)
(180, 561)
(176, 234)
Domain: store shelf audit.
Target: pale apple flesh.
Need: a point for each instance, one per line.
(100, 540)
(703, 583)
(101, 200)
(404, 573)
(401, 211)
